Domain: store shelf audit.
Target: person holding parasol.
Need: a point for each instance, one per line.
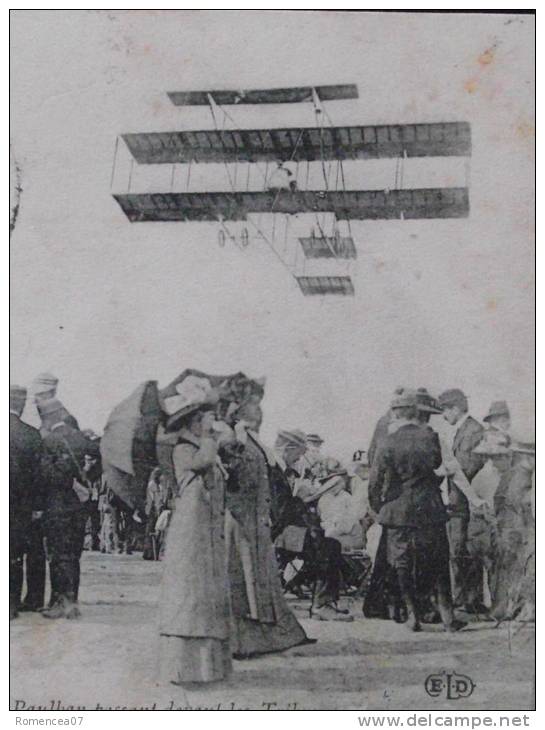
(194, 623)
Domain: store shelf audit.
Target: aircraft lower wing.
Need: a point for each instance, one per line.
(346, 205)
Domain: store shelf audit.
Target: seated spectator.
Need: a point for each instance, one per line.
(297, 534)
(336, 509)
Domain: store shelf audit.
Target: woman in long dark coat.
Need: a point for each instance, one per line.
(260, 617)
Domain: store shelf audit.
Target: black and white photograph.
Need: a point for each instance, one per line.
(272, 361)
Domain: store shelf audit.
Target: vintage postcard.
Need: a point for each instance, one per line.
(272, 438)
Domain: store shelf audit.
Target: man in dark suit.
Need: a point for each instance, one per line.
(380, 433)
(404, 491)
(65, 510)
(467, 582)
(296, 532)
(26, 499)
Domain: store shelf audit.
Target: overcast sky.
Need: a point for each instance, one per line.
(105, 304)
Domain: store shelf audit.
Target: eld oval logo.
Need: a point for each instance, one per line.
(451, 685)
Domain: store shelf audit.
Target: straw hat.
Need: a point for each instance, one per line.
(406, 399)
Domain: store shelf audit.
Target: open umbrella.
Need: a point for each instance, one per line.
(128, 446)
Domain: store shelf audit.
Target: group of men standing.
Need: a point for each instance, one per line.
(48, 502)
(434, 545)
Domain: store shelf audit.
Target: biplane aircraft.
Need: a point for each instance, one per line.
(330, 205)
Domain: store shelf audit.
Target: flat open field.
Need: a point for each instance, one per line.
(107, 659)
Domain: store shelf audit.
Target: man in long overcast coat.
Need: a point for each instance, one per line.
(404, 491)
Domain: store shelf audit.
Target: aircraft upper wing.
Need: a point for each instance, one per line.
(307, 143)
(349, 204)
(264, 96)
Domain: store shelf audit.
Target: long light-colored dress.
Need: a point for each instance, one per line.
(261, 620)
(194, 608)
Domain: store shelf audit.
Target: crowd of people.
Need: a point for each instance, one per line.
(433, 523)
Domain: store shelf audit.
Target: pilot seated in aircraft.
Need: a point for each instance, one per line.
(282, 179)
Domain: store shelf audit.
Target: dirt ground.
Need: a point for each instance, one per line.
(107, 659)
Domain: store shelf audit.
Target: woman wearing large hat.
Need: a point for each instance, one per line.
(261, 619)
(194, 607)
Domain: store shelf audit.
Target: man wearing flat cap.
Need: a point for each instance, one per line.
(44, 388)
(404, 492)
(25, 508)
(296, 532)
(467, 586)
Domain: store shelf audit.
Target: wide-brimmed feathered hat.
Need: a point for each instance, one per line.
(192, 394)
